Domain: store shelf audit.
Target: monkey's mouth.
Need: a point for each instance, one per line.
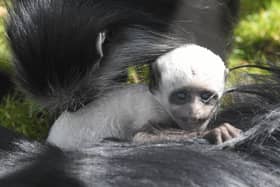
(192, 124)
(192, 121)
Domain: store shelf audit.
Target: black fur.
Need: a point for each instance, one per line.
(7, 138)
(250, 161)
(248, 100)
(54, 45)
(6, 84)
(54, 41)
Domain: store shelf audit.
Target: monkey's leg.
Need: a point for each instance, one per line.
(221, 134)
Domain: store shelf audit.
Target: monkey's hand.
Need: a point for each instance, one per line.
(156, 134)
(221, 134)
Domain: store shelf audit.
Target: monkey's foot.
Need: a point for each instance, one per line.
(222, 133)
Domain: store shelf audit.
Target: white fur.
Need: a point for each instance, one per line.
(118, 114)
(192, 65)
(123, 112)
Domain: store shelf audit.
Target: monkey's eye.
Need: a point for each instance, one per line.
(207, 96)
(179, 97)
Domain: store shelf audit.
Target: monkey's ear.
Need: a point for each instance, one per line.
(155, 78)
(101, 37)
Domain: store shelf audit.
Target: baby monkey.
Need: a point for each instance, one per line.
(188, 83)
(183, 95)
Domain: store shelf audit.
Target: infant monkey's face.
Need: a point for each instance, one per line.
(192, 107)
(190, 83)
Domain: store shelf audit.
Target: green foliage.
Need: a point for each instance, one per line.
(250, 7)
(257, 36)
(138, 74)
(16, 112)
(4, 50)
(24, 117)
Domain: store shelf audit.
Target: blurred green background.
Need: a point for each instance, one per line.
(257, 40)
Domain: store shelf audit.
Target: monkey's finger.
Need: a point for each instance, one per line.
(212, 136)
(225, 134)
(218, 136)
(234, 132)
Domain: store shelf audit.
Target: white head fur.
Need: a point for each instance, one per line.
(192, 67)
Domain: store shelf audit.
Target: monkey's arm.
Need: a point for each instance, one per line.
(155, 133)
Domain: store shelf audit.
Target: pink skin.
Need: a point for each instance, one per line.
(222, 133)
(218, 135)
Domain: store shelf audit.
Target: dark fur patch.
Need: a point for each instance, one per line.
(6, 84)
(54, 41)
(180, 164)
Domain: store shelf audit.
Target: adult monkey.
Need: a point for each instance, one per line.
(41, 56)
(61, 66)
